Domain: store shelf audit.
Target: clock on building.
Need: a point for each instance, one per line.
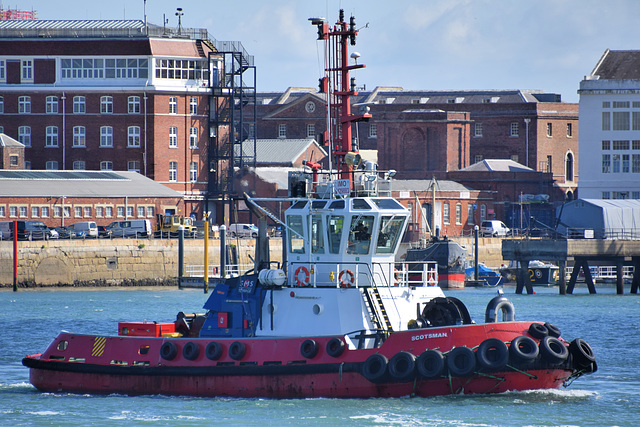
(310, 107)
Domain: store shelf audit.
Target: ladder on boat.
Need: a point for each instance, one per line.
(375, 304)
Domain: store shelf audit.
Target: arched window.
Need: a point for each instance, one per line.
(568, 167)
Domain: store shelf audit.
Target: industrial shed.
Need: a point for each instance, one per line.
(600, 219)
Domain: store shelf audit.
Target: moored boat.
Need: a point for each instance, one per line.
(342, 318)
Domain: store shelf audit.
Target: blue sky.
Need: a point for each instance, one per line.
(548, 45)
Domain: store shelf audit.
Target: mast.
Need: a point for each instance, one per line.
(339, 88)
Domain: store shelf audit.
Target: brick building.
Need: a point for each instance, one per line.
(11, 153)
(120, 95)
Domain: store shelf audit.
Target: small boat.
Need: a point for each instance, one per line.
(540, 273)
(341, 318)
(486, 276)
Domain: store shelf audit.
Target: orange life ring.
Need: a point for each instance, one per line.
(396, 277)
(349, 280)
(431, 278)
(304, 282)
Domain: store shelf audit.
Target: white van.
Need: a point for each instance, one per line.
(494, 228)
(85, 229)
(243, 230)
(131, 228)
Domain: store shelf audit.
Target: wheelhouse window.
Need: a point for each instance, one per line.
(389, 234)
(296, 234)
(317, 235)
(334, 228)
(360, 234)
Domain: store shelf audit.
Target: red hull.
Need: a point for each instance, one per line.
(275, 367)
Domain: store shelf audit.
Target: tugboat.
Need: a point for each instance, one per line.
(341, 318)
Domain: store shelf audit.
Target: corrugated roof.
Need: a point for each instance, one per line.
(497, 165)
(27, 183)
(279, 151)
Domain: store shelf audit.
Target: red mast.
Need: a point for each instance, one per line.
(339, 88)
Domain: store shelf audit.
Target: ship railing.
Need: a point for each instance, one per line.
(232, 270)
(604, 272)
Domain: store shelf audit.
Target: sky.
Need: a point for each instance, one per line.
(547, 45)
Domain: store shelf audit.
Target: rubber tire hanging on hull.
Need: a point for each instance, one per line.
(553, 330)
(461, 362)
(309, 349)
(583, 355)
(538, 331)
(402, 367)
(492, 354)
(375, 368)
(430, 364)
(213, 350)
(553, 351)
(523, 350)
(168, 351)
(237, 350)
(335, 347)
(190, 351)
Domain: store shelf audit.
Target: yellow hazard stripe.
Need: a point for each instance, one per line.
(98, 346)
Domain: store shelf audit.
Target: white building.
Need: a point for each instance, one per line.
(610, 128)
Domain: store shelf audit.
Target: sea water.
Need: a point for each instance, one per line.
(30, 319)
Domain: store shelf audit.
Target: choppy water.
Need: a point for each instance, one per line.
(29, 320)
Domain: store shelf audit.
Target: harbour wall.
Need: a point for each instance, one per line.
(139, 262)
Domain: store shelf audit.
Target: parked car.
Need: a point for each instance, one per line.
(65, 232)
(494, 228)
(103, 232)
(27, 230)
(243, 230)
(131, 228)
(86, 228)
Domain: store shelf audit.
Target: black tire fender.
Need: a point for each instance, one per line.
(430, 364)
(213, 350)
(538, 331)
(309, 349)
(335, 347)
(523, 349)
(169, 350)
(375, 368)
(492, 354)
(402, 366)
(554, 331)
(582, 353)
(553, 351)
(191, 351)
(237, 350)
(461, 362)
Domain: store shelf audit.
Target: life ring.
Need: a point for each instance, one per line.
(499, 303)
(402, 366)
(492, 354)
(554, 331)
(553, 350)
(396, 277)
(190, 351)
(523, 349)
(431, 278)
(375, 368)
(582, 353)
(213, 350)
(348, 280)
(309, 349)
(335, 347)
(461, 362)
(168, 351)
(237, 350)
(538, 331)
(430, 364)
(307, 276)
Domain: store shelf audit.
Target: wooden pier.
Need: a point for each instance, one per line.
(581, 251)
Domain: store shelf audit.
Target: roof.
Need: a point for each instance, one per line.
(497, 165)
(279, 151)
(92, 24)
(36, 183)
(618, 65)
(7, 141)
(609, 204)
(424, 185)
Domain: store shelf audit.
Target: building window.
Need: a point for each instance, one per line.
(133, 139)
(635, 163)
(635, 120)
(635, 145)
(483, 212)
(311, 130)
(120, 211)
(606, 163)
(514, 129)
(133, 166)
(620, 145)
(134, 105)
(99, 211)
(23, 211)
(51, 105)
(13, 160)
(477, 132)
(77, 211)
(27, 70)
(173, 105)
(108, 211)
(79, 106)
(173, 137)
(79, 136)
(173, 171)
(140, 211)
(606, 120)
(129, 211)
(282, 131)
(3, 211)
(252, 130)
(193, 172)
(106, 165)
(615, 162)
(193, 105)
(52, 136)
(477, 158)
(621, 195)
(3, 75)
(373, 130)
(51, 165)
(106, 104)
(620, 120)
(458, 214)
(106, 136)
(1, 104)
(13, 211)
(193, 137)
(470, 213)
(625, 163)
(635, 195)
(24, 105)
(44, 213)
(182, 69)
(569, 130)
(549, 130)
(606, 145)
(79, 165)
(445, 213)
(24, 135)
(150, 211)
(87, 211)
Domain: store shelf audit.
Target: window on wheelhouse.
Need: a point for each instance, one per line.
(317, 239)
(296, 234)
(389, 234)
(335, 225)
(360, 234)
